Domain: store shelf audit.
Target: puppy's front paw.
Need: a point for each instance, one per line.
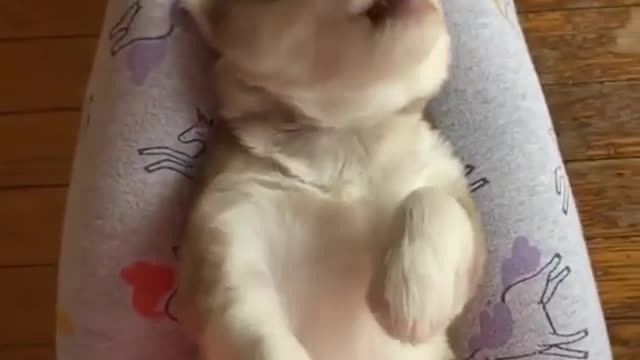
(282, 347)
(419, 291)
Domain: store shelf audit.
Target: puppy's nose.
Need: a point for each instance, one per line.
(381, 10)
(399, 5)
(409, 7)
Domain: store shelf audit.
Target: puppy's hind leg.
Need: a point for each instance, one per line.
(431, 268)
(225, 288)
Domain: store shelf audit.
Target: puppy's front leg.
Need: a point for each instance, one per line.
(432, 267)
(225, 286)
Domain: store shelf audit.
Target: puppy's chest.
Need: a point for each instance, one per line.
(359, 167)
(368, 180)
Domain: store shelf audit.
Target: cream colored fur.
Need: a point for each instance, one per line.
(333, 223)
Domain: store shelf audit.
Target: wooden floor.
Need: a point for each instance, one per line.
(587, 53)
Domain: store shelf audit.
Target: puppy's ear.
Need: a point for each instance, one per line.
(204, 13)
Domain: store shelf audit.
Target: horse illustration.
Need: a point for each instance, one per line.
(180, 160)
(505, 333)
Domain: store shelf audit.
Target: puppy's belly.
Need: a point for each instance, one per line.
(335, 323)
(324, 278)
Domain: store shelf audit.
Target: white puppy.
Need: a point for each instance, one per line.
(332, 223)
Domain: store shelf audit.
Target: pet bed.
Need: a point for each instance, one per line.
(145, 118)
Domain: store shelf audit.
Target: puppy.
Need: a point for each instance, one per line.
(333, 223)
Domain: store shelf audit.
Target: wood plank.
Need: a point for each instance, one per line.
(615, 262)
(44, 74)
(625, 338)
(27, 305)
(608, 196)
(37, 149)
(567, 46)
(30, 307)
(584, 45)
(30, 225)
(593, 121)
(607, 192)
(596, 121)
(542, 5)
(39, 18)
(28, 353)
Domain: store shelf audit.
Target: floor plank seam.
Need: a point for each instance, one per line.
(608, 237)
(631, 80)
(61, 109)
(25, 346)
(601, 160)
(35, 266)
(595, 82)
(48, 37)
(7, 188)
(578, 8)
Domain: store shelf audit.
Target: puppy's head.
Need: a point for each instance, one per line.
(338, 62)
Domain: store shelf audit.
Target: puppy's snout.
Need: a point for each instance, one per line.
(382, 10)
(399, 5)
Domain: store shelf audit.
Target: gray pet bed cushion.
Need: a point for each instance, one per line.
(144, 124)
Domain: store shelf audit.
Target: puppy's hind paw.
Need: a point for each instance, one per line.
(414, 304)
(415, 296)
